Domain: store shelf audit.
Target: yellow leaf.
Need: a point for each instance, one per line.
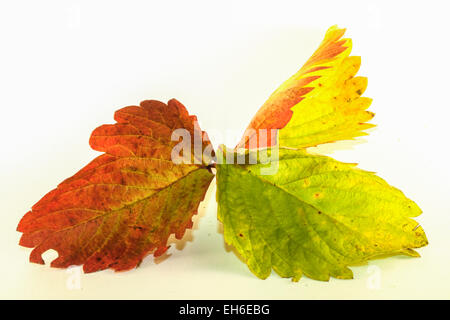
(321, 103)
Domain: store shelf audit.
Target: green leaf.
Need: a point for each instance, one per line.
(315, 216)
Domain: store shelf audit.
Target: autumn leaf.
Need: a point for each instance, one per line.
(126, 202)
(320, 103)
(314, 216)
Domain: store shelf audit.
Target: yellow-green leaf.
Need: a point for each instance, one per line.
(314, 216)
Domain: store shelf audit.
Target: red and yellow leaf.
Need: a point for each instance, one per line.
(126, 202)
(321, 103)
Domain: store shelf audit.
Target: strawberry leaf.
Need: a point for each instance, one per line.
(320, 103)
(314, 216)
(126, 202)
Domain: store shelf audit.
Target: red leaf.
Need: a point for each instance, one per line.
(126, 202)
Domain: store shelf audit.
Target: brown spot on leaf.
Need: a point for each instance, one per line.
(318, 195)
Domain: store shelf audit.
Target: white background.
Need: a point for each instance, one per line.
(66, 66)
